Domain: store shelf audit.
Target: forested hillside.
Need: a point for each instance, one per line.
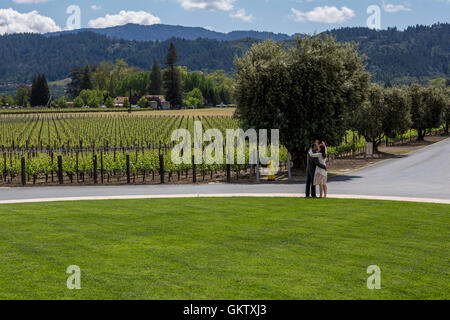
(26, 54)
(394, 57)
(162, 32)
(401, 57)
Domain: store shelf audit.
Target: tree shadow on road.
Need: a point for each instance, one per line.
(344, 178)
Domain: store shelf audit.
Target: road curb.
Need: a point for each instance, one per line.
(225, 195)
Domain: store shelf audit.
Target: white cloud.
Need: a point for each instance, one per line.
(213, 5)
(96, 7)
(29, 1)
(242, 14)
(392, 8)
(124, 17)
(12, 21)
(324, 14)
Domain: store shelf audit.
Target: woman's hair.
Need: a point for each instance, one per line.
(323, 151)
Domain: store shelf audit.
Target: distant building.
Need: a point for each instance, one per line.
(160, 101)
(165, 105)
(118, 101)
(153, 104)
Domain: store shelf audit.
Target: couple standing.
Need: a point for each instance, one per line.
(317, 170)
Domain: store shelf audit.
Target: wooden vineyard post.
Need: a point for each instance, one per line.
(128, 169)
(194, 170)
(101, 168)
(161, 168)
(76, 169)
(5, 167)
(60, 170)
(51, 157)
(94, 162)
(24, 179)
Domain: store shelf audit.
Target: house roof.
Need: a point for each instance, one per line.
(121, 99)
(162, 98)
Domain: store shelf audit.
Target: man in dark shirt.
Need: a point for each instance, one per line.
(313, 163)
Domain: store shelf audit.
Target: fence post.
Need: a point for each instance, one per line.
(5, 167)
(194, 170)
(161, 167)
(51, 156)
(94, 162)
(76, 168)
(128, 169)
(101, 167)
(289, 167)
(24, 180)
(60, 170)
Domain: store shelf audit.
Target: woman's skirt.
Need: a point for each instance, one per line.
(319, 179)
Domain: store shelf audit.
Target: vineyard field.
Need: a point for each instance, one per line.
(104, 148)
(116, 148)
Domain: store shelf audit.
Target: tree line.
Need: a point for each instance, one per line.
(180, 87)
(320, 89)
(415, 54)
(94, 86)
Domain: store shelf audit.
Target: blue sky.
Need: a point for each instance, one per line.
(286, 16)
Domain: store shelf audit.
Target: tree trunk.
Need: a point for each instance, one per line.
(375, 146)
(300, 159)
(421, 134)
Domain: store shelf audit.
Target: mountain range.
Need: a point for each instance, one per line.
(162, 32)
(394, 57)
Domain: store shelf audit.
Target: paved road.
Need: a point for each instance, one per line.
(422, 174)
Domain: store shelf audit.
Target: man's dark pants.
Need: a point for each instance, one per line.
(310, 187)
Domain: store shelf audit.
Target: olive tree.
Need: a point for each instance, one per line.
(447, 109)
(435, 103)
(307, 92)
(427, 108)
(368, 120)
(397, 113)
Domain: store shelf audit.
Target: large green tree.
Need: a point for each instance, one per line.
(6, 100)
(86, 79)
(435, 102)
(22, 96)
(82, 79)
(397, 116)
(172, 80)
(385, 114)
(40, 93)
(427, 108)
(155, 79)
(307, 92)
(447, 110)
(369, 118)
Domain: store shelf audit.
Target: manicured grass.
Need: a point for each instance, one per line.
(225, 249)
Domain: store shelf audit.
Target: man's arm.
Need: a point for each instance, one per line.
(318, 164)
(312, 154)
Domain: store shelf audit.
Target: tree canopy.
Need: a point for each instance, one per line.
(308, 92)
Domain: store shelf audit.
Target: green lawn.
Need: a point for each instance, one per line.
(225, 249)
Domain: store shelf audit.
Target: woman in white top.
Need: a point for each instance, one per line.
(320, 178)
